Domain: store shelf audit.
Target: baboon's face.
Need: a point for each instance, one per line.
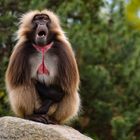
(41, 29)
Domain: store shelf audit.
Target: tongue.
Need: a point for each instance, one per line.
(43, 68)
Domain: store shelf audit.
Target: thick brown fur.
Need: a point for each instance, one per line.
(21, 85)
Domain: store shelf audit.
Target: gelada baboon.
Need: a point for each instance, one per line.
(42, 77)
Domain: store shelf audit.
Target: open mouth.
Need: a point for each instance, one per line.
(42, 33)
(41, 36)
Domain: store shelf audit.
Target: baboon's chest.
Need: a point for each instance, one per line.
(44, 69)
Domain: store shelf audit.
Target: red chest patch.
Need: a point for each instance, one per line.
(43, 68)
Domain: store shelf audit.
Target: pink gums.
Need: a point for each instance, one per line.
(42, 68)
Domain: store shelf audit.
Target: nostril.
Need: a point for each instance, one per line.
(42, 33)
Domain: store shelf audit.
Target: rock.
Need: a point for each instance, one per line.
(12, 128)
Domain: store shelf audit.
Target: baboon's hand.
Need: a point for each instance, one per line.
(53, 93)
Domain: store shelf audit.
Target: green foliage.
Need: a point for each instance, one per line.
(132, 13)
(108, 54)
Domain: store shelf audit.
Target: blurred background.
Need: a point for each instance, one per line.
(105, 35)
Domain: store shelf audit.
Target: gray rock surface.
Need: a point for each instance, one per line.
(12, 128)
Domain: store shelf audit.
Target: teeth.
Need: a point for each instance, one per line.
(40, 35)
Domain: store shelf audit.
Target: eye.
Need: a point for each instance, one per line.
(36, 17)
(46, 18)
